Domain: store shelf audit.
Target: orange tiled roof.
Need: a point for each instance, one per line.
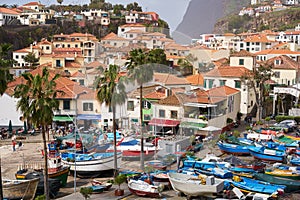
(25, 50)
(133, 25)
(258, 38)
(78, 74)
(8, 11)
(33, 4)
(243, 53)
(155, 95)
(228, 71)
(169, 79)
(285, 63)
(72, 65)
(170, 101)
(196, 79)
(277, 51)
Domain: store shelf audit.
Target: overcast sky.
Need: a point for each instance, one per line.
(171, 11)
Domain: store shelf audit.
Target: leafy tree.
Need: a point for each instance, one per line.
(134, 7)
(86, 192)
(37, 102)
(117, 9)
(185, 66)
(256, 81)
(5, 64)
(140, 66)
(31, 59)
(111, 91)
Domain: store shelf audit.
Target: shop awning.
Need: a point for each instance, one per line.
(192, 125)
(63, 119)
(164, 122)
(89, 117)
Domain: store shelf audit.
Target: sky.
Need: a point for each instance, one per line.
(172, 11)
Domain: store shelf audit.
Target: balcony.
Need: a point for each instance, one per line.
(65, 112)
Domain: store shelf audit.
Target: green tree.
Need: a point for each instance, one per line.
(5, 64)
(141, 64)
(37, 102)
(31, 59)
(185, 67)
(111, 91)
(133, 7)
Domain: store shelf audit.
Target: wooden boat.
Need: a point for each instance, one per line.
(239, 165)
(284, 173)
(251, 185)
(263, 153)
(141, 188)
(105, 185)
(291, 185)
(56, 169)
(160, 179)
(194, 186)
(157, 164)
(91, 164)
(233, 148)
(97, 189)
(19, 189)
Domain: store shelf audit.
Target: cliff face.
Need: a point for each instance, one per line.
(201, 16)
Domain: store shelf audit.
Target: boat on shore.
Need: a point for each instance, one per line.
(194, 186)
(91, 164)
(19, 189)
(233, 148)
(291, 185)
(144, 189)
(263, 153)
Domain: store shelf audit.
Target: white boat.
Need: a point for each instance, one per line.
(141, 188)
(92, 164)
(215, 159)
(194, 186)
(19, 189)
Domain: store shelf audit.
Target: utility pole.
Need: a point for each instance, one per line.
(1, 189)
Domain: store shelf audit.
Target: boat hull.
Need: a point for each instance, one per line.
(261, 155)
(233, 149)
(141, 188)
(92, 168)
(20, 189)
(291, 185)
(61, 175)
(181, 183)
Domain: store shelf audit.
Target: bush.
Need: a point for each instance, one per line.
(86, 192)
(229, 120)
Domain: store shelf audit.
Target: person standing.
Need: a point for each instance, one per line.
(13, 140)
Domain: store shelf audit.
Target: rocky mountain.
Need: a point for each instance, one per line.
(201, 16)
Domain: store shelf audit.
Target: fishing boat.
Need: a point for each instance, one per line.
(131, 149)
(233, 148)
(19, 189)
(160, 178)
(90, 164)
(252, 185)
(56, 169)
(295, 160)
(144, 189)
(241, 166)
(284, 173)
(106, 185)
(157, 164)
(263, 153)
(291, 185)
(194, 186)
(96, 189)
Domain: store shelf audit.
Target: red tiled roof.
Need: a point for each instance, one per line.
(170, 101)
(169, 79)
(285, 63)
(8, 11)
(277, 51)
(196, 79)
(228, 71)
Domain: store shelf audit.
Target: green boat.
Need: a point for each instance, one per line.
(291, 185)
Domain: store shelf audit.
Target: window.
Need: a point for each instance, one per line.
(241, 61)
(66, 105)
(222, 82)
(81, 81)
(17, 56)
(277, 74)
(47, 47)
(88, 106)
(146, 105)
(237, 84)
(130, 106)
(210, 83)
(58, 64)
(162, 113)
(174, 114)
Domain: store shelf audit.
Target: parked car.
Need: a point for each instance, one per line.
(290, 123)
(284, 127)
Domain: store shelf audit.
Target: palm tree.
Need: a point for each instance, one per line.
(5, 64)
(31, 59)
(37, 102)
(140, 68)
(111, 91)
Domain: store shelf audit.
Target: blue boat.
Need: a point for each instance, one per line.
(251, 185)
(233, 148)
(295, 160)
(263, 153)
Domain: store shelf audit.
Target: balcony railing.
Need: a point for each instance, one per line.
(65, 112)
